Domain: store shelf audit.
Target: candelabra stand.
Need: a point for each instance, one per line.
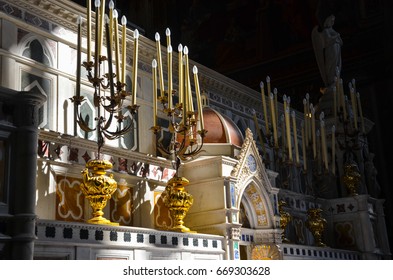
(110, 99)
(186, 143)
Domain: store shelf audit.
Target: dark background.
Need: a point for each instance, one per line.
(248, 40)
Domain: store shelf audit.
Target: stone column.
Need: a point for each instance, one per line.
(23, 173)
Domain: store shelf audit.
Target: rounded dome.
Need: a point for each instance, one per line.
(220, 128)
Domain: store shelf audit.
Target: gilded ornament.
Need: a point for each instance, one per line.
(351, 178)
(98, 188)
(285, 218)
(178, 202)
(316, 224)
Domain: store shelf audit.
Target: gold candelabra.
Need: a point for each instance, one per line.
(185, 126)
(110, 99)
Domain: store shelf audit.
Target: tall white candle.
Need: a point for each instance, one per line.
(168, 37)
(304, 147)
(314, 142)
(124, 49)
(295, 136)
(117, 47)
(180, 70)
(88, 10)
(159, 64)
(135, 67)
(264, 108)
(273, 116)
(170, 87)
(198, 96)
(154, 76)
(288, 131)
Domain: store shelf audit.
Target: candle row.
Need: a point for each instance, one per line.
(184, 87)
(341, 103)
(110, 26)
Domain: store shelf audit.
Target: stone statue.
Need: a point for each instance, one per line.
(327, 47)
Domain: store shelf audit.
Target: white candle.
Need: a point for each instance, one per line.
(181, 79)
(117, 47)
(170, 87)
(168, 37)
(273, 116)
(135, 67)
(304, 148)
(109, 53)
(124, 48)
(305, 114)
(88, 10)
(295, 136)
(288, 131)
(101, 26)
(264, 108)
(275, 102)
(314, 142)
(190, 105)
(78, 58)
(111, 6)
(96, 47)
(159, 62)
(198, 96)
(154, 76)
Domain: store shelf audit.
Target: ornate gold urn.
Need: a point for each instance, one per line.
(351, 178)
(98, 188)
(178, 202)
(285, 218)
(316, 224)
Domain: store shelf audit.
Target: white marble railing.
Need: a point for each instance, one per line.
(87, 241)
(297, 252)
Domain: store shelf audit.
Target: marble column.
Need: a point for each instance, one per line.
(23, 173)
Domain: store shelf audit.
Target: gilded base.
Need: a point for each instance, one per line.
(178, 201)
(98, 189)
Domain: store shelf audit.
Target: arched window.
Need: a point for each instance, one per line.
(33, 49)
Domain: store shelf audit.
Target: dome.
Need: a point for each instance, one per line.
(220, 128)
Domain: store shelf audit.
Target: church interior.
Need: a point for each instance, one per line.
(283, 156)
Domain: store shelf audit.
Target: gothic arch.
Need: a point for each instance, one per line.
(253, 187)
(257, 203)
(36, 48)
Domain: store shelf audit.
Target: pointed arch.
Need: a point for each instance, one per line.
(37, 49)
